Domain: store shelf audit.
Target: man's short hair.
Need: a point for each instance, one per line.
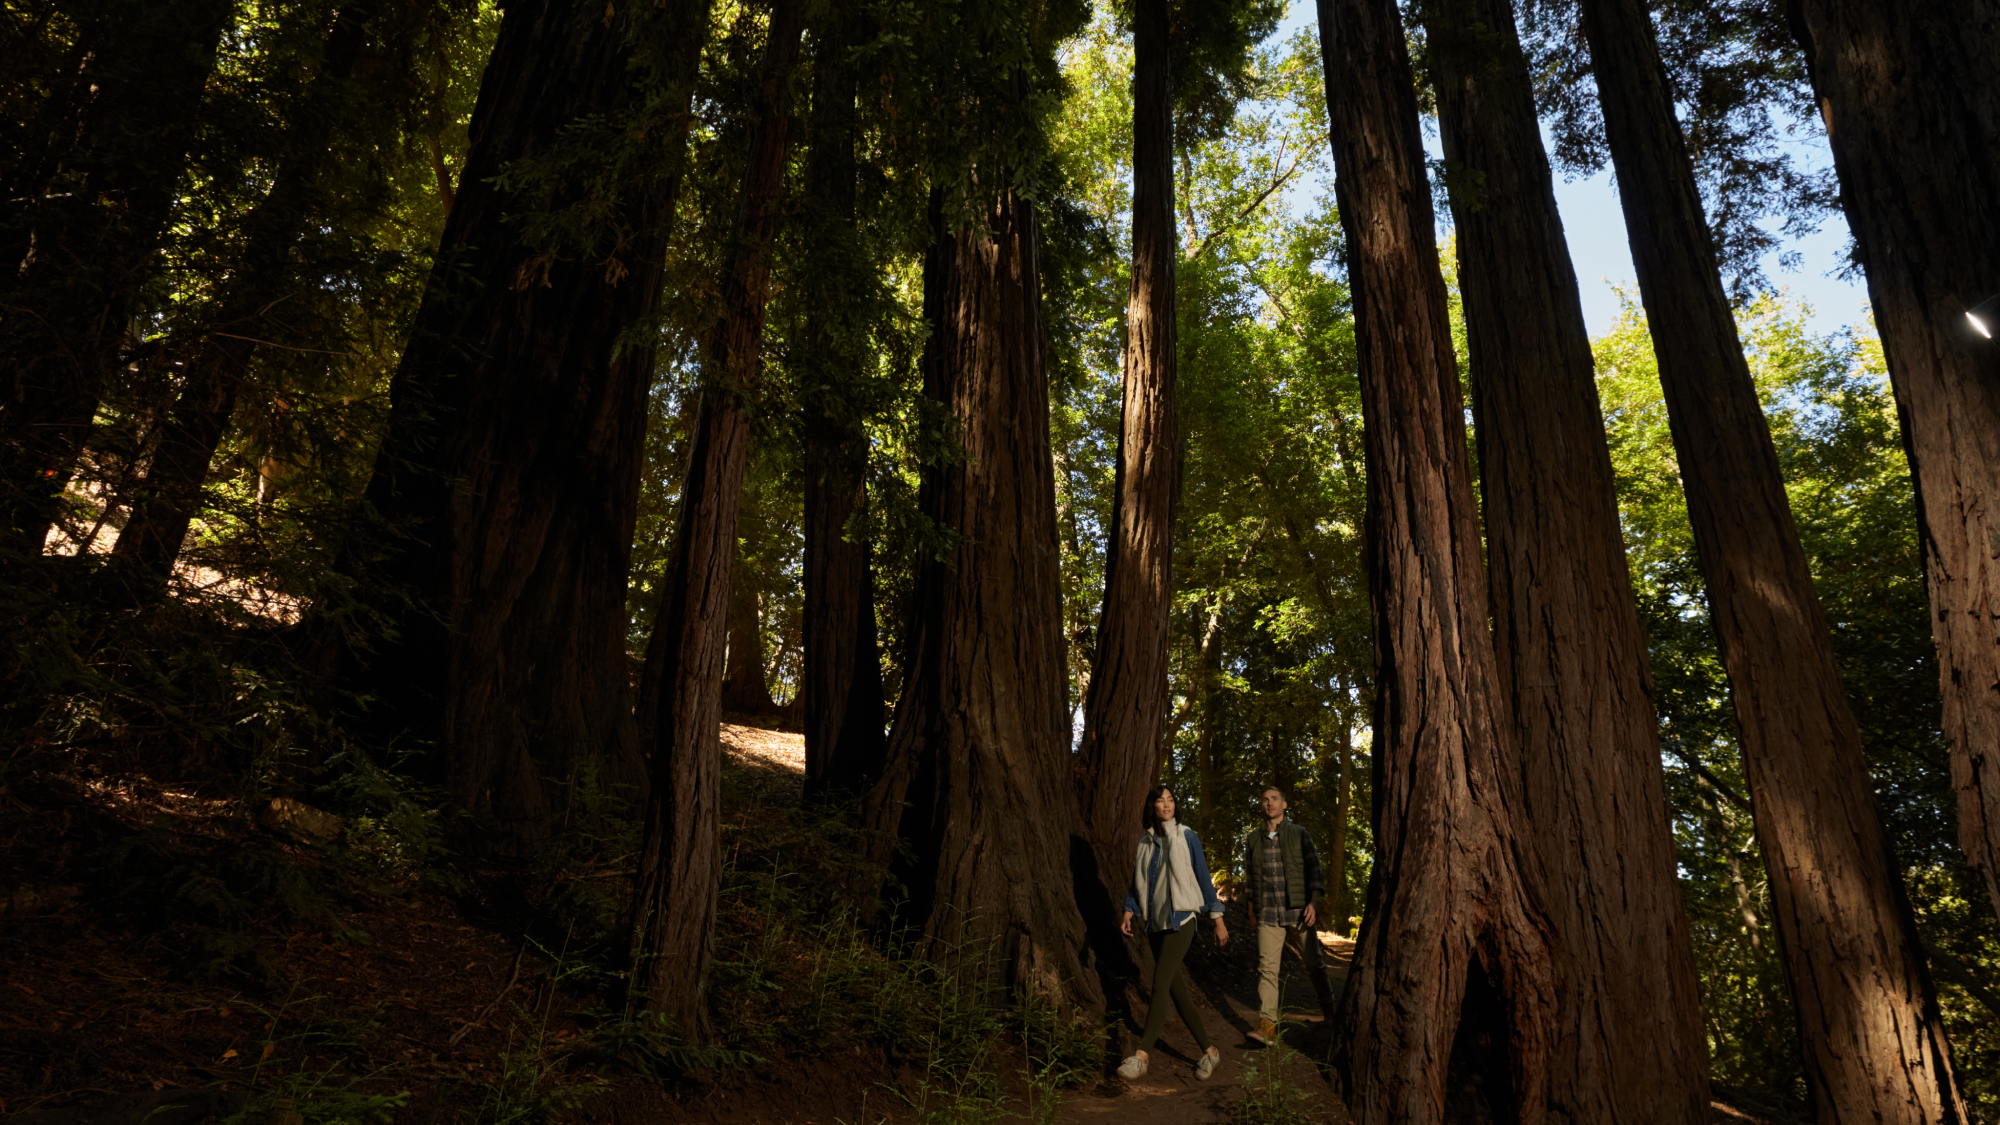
(1278, 788)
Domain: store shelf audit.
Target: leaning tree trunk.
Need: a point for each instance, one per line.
(1127, 700)
(977, 783)
(1630, 1045)
(842, 686)
(512, 462)
(170, 495)
(81, 224)
(1451, 1000)
(1907, 95)
(679, 872)
(1874, 1047)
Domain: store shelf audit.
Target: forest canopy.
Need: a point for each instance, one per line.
(433, 420)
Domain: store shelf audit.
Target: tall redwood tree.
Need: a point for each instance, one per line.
(977, 781)
(1125, 706)
(1629, 1045)
(511, 466)
(1908, 98)
(1874, 1045)
(1452, 997)
(679, 872)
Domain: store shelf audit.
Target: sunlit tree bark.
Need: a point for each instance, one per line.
(1450, 1006)
(1907, 95)
(1875, 1049)
(1572, 658)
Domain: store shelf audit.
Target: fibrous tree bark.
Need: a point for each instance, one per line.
(842, 689)
(1908, 100)
(511, 466)
(679, 872)
(1874, 1047)
(1452, 995)
(1572, 658)
(81, 223)
(978, 781)
(1126, 703)
(169, 497)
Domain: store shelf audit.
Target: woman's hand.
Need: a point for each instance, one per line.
(1221, 933)
(1125, 927)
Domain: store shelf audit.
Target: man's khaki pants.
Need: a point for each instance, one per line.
(1272, 941)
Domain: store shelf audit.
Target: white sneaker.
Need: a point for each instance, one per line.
(1132, 1067)
(1206, 1067)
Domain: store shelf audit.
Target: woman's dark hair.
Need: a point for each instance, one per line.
(1150, 818)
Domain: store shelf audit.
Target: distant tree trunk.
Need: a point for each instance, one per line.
(170, 496)
(744, 688)
(978, 781)
(1452, 994)
(81, 222)
(679, 870)
(1630, 1046)
(1907, 94)
(512, 462)
(842, 689)
(1874, 1046)
(1127, 700)
(1343, 812)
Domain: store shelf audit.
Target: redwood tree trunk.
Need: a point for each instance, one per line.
(843, 669)
(978, 781)
(1452, 994)
(1126, 703)
(516, 434)
(744, 690)
(1907, 95)
(679, 870)
(1874, 1047)
(170, 496)
(81, 222)
(1630, 1045)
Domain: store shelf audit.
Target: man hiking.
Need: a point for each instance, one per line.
(1285, 880)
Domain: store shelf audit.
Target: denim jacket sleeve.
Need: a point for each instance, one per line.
(1213, 907)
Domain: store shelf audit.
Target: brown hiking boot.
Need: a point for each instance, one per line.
(1266, 1033)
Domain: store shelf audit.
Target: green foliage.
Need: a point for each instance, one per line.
(1269, 1096)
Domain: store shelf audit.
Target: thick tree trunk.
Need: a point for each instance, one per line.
(513, 456)
(1907, 95)
(79, 236)
(1452, 996)
(1874, 1047)
(1126, 703)
(679, 869)
(170, 496)
(978, 781)
(1630, 1044)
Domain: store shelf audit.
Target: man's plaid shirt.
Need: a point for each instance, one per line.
(1272, 908)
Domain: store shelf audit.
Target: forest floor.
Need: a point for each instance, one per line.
(414, 1004)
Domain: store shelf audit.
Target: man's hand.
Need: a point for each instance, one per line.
(1307, 915)
(1125, 927)
(1221, 933)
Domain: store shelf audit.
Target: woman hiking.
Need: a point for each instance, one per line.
(1170, 885)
